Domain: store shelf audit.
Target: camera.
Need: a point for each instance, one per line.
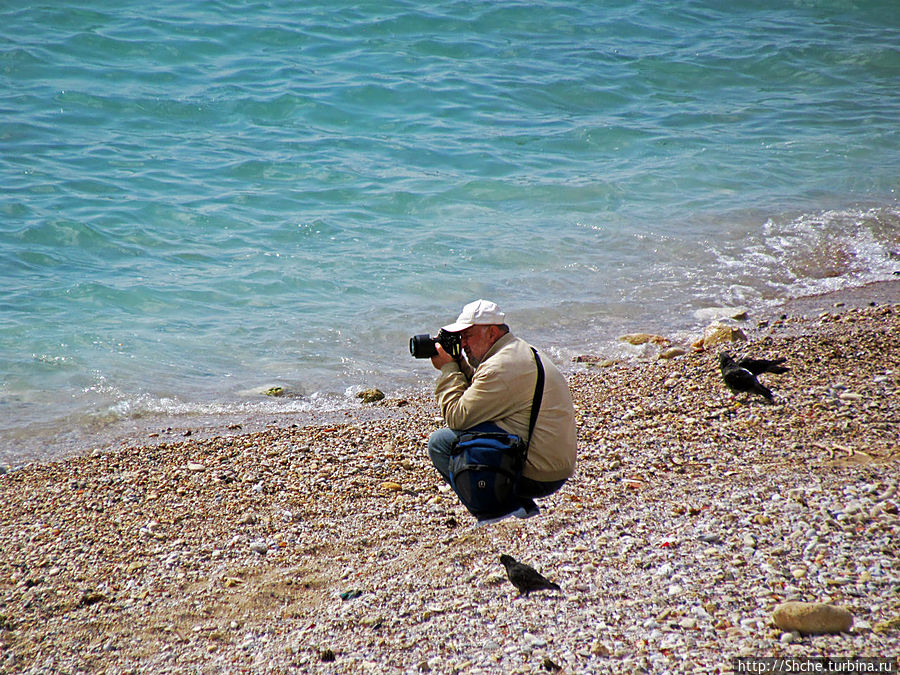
(425, 346)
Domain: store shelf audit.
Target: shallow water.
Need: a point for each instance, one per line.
(203, 202)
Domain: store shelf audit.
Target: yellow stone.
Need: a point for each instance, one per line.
(644, 338)
(812, 618)
(719, 333)
(671, 353)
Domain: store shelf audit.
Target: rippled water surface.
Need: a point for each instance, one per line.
(203, 200)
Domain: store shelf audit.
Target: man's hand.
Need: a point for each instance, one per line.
(442, 358)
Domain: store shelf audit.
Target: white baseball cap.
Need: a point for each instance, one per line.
(478, 313)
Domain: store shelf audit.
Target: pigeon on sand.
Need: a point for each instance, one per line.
(740, 380)
(525, 578)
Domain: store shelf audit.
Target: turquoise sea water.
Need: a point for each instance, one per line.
(204, 199)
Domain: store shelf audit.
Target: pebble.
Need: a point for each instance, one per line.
(812, 618)
(789, 637)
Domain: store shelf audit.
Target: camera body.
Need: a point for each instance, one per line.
(424, 346)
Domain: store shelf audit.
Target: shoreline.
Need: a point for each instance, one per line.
(877, 292)
(690, 518)
(880, 292)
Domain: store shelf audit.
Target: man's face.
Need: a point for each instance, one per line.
(476, 341)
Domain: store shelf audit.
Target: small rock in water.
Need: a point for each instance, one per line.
(259, 546)
(644, 338)
(719, 313)
(812, 618)
(370, 395)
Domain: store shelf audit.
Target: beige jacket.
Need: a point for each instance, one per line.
(500, 390)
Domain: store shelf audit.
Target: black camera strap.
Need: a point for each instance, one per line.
(536, 401)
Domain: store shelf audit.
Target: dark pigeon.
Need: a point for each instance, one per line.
(760, 366)
(526, 578)
(740, 380)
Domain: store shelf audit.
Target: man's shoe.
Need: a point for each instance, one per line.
(489, 521)
(528, 510)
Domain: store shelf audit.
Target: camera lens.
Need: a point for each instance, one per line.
(422, 346)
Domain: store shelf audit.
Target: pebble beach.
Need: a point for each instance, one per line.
(333, 546)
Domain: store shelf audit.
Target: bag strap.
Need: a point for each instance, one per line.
(538, 395)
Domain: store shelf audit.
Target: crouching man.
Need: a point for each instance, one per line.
(493, 389)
